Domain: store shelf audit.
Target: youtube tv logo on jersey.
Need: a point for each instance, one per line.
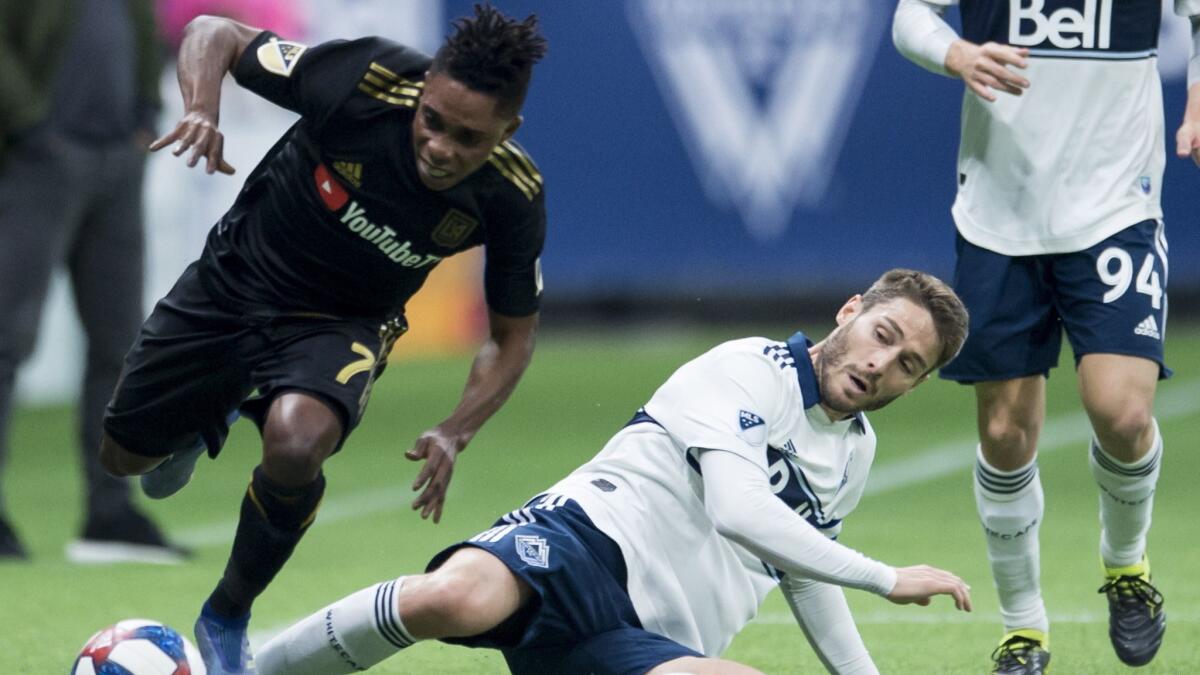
(331, 191)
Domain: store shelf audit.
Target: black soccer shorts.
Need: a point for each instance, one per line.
(195, 362)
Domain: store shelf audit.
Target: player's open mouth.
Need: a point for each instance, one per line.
(433, 171)
(858, 383)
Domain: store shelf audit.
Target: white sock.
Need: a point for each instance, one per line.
(1126, 500)
(350, 635)
(1010, 505)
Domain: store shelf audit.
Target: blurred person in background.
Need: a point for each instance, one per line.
(397, 162)
(1060, 229)
(78, 102)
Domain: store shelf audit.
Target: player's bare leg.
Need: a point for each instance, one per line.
(1008, 495)
(471, 593)
(693, 665)
(299, 433)
(1125, 456)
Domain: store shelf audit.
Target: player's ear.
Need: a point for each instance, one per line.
(512, 128)
(853, 306)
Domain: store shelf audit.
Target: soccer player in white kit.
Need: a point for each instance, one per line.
(733, 479)
(1059, 227)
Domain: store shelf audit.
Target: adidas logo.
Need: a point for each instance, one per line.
(1149, 328)
(351, 171)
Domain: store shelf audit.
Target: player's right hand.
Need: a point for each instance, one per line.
(198, 130)
(918, 584)
(985, 67)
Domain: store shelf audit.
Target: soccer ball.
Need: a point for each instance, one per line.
(138, 647)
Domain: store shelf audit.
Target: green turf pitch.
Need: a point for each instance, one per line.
(577, 392)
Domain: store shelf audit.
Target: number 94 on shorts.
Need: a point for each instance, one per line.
(1110, 298)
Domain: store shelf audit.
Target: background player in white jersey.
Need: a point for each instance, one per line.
(1059, 224)
(732, 480)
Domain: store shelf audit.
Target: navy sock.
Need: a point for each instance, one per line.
(273, 519)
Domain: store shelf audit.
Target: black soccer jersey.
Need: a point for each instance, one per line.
(335, 220)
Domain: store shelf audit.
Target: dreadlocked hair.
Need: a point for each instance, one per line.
(492, 54)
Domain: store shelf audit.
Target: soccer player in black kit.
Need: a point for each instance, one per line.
(397, 162)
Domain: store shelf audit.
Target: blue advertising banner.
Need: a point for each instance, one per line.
(755, 145)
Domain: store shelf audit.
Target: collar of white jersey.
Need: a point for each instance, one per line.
(798, 345)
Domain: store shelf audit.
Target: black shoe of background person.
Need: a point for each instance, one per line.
(126, 536)
(11, 547)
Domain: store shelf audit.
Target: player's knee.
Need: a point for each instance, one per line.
(1124, 430)
(292, 459)
(299, 435)
(455, 603)
(1007, 441)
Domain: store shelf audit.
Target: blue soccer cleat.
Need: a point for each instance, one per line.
(169, 477)
(223, 643)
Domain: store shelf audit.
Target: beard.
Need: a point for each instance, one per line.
(831, 358)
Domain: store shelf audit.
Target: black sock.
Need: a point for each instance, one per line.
(273, 520)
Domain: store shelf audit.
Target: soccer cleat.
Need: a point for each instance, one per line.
(11, 547)
(126, 536)
(1136, 620)
(223, 643)
(169, 477)
(1022, 652)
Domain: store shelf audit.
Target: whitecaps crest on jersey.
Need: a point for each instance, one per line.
(762, 92)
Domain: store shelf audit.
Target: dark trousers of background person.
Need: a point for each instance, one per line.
(75, 204)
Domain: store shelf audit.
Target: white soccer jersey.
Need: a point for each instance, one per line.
(1079, 155)
(755, 397)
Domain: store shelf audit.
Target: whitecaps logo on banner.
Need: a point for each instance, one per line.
(762, 92)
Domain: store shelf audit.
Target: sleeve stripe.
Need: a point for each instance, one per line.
(385, 85)
(524, 159)
(383, 96)
(494, 161)
(515, 167)
(389, 74)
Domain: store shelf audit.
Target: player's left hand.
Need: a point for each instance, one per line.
(439, 451)
(919, 583)
(1187, 140)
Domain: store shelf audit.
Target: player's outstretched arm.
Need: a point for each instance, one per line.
(498, 366)
(918, 585)
(1187, 139)
(211, 46)
(739, 500)
(923, 37)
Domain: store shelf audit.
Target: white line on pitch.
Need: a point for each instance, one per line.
(918, 615)
(1057, 433)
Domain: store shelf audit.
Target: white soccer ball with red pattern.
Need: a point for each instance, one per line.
(139, 647)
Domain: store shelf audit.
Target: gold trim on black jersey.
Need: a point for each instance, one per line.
(385, 85)
(517, 167)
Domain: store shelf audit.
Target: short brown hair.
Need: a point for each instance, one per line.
(925, 290)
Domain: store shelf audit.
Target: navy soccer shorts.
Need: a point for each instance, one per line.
(1110, 298)
(195, 362)
(581, 619)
